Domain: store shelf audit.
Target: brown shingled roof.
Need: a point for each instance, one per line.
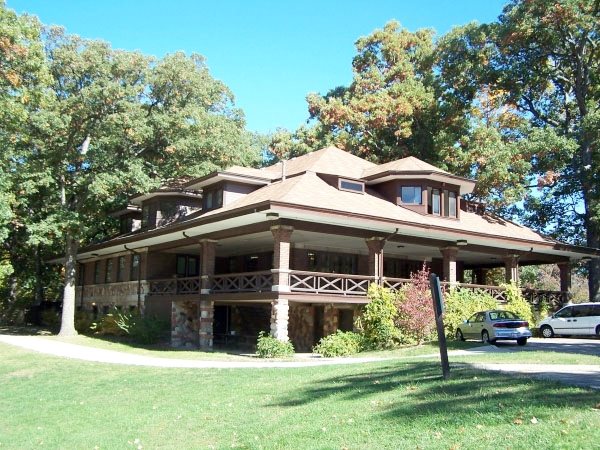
(408, 164)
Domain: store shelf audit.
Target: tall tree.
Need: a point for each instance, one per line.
(394, 106)
(543, 57)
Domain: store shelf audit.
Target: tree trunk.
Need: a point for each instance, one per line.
(593, 240)
(67, 325)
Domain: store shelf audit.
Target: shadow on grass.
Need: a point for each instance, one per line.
(16, 330)
(415, 391)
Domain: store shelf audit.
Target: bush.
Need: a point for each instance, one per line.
(148, 330)
(515, 302)
(83, 321)
(460, 304)
(270, 347)
(376, 322)
(339, 344)
(111, 324)
(416, 318)
(50, 318)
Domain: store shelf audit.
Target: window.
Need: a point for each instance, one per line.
(135, 268)
(353, 186)
(108, 278)
(411, 195)
(187, 266)
(213, 199)
(81, 274)
(97, 269)
(435, 202)
(145, 216)
(452, 204)
(121, 269)
(332, 262)
(565, 312)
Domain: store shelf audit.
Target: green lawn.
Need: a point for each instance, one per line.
(49, 402)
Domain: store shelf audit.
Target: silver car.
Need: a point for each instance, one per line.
(494, 325)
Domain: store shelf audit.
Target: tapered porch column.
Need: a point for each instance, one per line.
(206, 308)
(450, 271)
(565, 278)
(511, 266)
(375, 245)
(207, 263)
(281, 257)
(280, 313)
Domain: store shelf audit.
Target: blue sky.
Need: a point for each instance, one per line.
(270, 53)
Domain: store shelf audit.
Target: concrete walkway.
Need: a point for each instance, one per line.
(579, 375)
(582, 375)
(81, 352)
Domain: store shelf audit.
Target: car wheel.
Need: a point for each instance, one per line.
(547, 331)
(485, 337)
(522, 341)
(598, 331)
(459, 336)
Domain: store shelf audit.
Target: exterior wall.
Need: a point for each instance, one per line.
(301, 328)
(235, 191)
(185, 324)
(160, 265)
(123, 294)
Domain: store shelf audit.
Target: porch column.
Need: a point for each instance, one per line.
(205, 329)
(281, 258)
(565, 278)
(450, 272)
(375, 245)
(330, 320)
(511, 266)
(279, 319)
(208, 249)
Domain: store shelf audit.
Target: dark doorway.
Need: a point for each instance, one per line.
(345, 319)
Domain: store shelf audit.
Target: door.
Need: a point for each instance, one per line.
(583, 319)
(473, 327)
(561, 321)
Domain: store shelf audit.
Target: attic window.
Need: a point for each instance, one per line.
(352, 186)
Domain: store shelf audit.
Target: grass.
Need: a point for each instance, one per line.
(49, 402)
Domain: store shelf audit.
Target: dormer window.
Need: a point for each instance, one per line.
(213, 199)
(452, 204)
(411, 195)
(352, 186)
(435, 202)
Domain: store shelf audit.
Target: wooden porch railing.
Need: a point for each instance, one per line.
(242, 282)
(329, 283)
(188, 285)
(326, 283)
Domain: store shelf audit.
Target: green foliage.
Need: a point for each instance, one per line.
(84, 320)
(114, 323)
(339, 344)
(270, 347)
(516, 303)
(140, 329)
(376, 322)
(50, 318)
(461, 303)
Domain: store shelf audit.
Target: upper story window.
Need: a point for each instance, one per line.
(121, 268)
(452, 204)
(97, 279)
(145, 216)
(212, 199)
(187, 266)
(435, 202)
(411, 195)
(352, 186)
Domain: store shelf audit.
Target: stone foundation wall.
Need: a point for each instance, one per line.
(185, 324)
(301, 327)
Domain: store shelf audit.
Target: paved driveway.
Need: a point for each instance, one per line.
(590, 346)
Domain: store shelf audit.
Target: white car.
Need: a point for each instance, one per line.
(494, 325)
(575, 319)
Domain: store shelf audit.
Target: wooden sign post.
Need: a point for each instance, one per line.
(438, 308)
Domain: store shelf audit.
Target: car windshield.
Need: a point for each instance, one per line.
(502, 315)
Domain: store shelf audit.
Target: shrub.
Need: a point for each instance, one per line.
(270, 347)
(339, 344)
(83, 321)
(50, 318)
(515, 302)
(416, 318)
(376, 322)
(148, 330)
(460, 304)
(111, 324)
